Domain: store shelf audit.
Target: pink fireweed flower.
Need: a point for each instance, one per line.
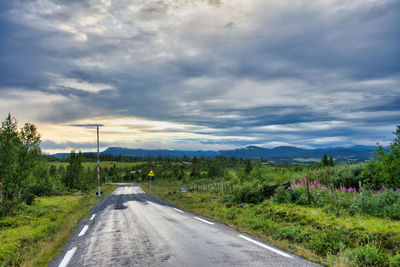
(354, 198)
(397, 190)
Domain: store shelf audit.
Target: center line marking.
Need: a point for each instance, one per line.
(178, 210)
(67, 257)
(92, 217)
(267, 247)
(200, 219)
(84, 229)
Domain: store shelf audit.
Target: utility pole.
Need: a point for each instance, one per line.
(98, 153)
(98, 164)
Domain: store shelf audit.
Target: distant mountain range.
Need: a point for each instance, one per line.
(277, 154)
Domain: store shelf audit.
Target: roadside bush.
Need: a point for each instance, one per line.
(366, 255)
(249, 192)
(395, 260)
(293, 233)
(298, 195)
(384, 169)
(281, 195)
(326, 242)
(347, 175)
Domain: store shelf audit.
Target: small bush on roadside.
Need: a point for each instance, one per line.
(325, 242)
(395, 260)
(249, 192)
(281, 195)
(293, 233)
(366, 255)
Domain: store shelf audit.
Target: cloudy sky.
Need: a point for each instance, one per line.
(202, 74)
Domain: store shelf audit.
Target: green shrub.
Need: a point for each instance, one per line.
(281, 195)
(293, 233)
(249, 192)
(325, 242)
(366, 255)
(298, 195)
(395, 260)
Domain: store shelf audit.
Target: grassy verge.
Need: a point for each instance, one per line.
(37, 232)
(309, 232)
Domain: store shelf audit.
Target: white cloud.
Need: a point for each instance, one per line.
(59, 82)
(28, 105)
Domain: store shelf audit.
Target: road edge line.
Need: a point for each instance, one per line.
(178, 210)
(67, 257)
(200, 219)
(265, 246)
(84, 229)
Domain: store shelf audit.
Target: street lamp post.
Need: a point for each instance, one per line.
(98, 164)
(98, 153)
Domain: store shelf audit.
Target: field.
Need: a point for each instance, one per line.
(34, 235)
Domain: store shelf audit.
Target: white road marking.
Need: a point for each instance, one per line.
(67, 257)
(267, 247)
(92, 217)
(178, 210)
(84, 229)
(200, 219)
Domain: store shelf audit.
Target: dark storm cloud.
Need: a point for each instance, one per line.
(228, 66)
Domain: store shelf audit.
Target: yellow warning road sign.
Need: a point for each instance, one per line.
(151, 173)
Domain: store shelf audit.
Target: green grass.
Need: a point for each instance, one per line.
(307, 231)
(37, 232)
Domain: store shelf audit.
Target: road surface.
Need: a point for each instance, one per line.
(132, 228)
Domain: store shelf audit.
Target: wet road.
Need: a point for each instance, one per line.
(132, 228)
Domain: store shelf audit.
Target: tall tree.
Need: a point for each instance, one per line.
(180, 172)
(19, 155)
(396, 142)
(195, 167)
(325, 161)
(384, 168)
(248, 167)
(215, 169)
(73, 175)
(331, 162)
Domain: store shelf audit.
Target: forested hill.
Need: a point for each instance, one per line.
(278, 154)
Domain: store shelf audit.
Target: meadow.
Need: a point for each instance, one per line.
(35, 233)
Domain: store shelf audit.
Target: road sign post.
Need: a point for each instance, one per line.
(151, 174)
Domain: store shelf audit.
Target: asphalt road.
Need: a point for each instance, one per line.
(132, 228)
